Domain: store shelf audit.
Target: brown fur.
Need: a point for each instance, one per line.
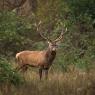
(36, 58)
(41, 59)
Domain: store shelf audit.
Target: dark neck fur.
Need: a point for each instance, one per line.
(50, 55)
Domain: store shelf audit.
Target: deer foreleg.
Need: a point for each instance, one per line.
(40, 73)
(46, 73)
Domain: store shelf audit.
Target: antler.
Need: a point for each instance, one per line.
(46, 38)
(61, 35)
(38, 25)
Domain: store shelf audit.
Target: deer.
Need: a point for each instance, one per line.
(41, 59)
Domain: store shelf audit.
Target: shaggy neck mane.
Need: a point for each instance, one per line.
(50, 55)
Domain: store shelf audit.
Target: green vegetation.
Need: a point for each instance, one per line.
(76, 52)
(8, 74)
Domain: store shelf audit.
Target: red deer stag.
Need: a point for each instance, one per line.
(41, 59)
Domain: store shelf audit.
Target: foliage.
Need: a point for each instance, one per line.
(78, 47)
(14, 33)
(8, 74)
(79, 41)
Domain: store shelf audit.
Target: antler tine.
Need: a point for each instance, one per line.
(44, 36)
(61, 35)
(41, 32)
(37, 25)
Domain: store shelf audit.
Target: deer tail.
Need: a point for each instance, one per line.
(17, 59)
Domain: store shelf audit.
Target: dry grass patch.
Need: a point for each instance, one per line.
(75, 82)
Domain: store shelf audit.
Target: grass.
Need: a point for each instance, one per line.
(73, 82)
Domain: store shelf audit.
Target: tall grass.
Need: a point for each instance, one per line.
(74, 82)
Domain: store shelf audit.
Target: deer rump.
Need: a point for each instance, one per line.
(35, 58)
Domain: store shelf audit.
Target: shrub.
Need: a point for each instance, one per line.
(7, 74)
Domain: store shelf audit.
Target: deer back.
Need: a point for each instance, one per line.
(35, 58)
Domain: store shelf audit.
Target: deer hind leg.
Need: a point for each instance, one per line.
(18, 68)
(22, 68)
(40, 73)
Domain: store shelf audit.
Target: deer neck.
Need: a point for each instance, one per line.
(50, 55)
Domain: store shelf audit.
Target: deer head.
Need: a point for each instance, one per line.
(53, 45)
